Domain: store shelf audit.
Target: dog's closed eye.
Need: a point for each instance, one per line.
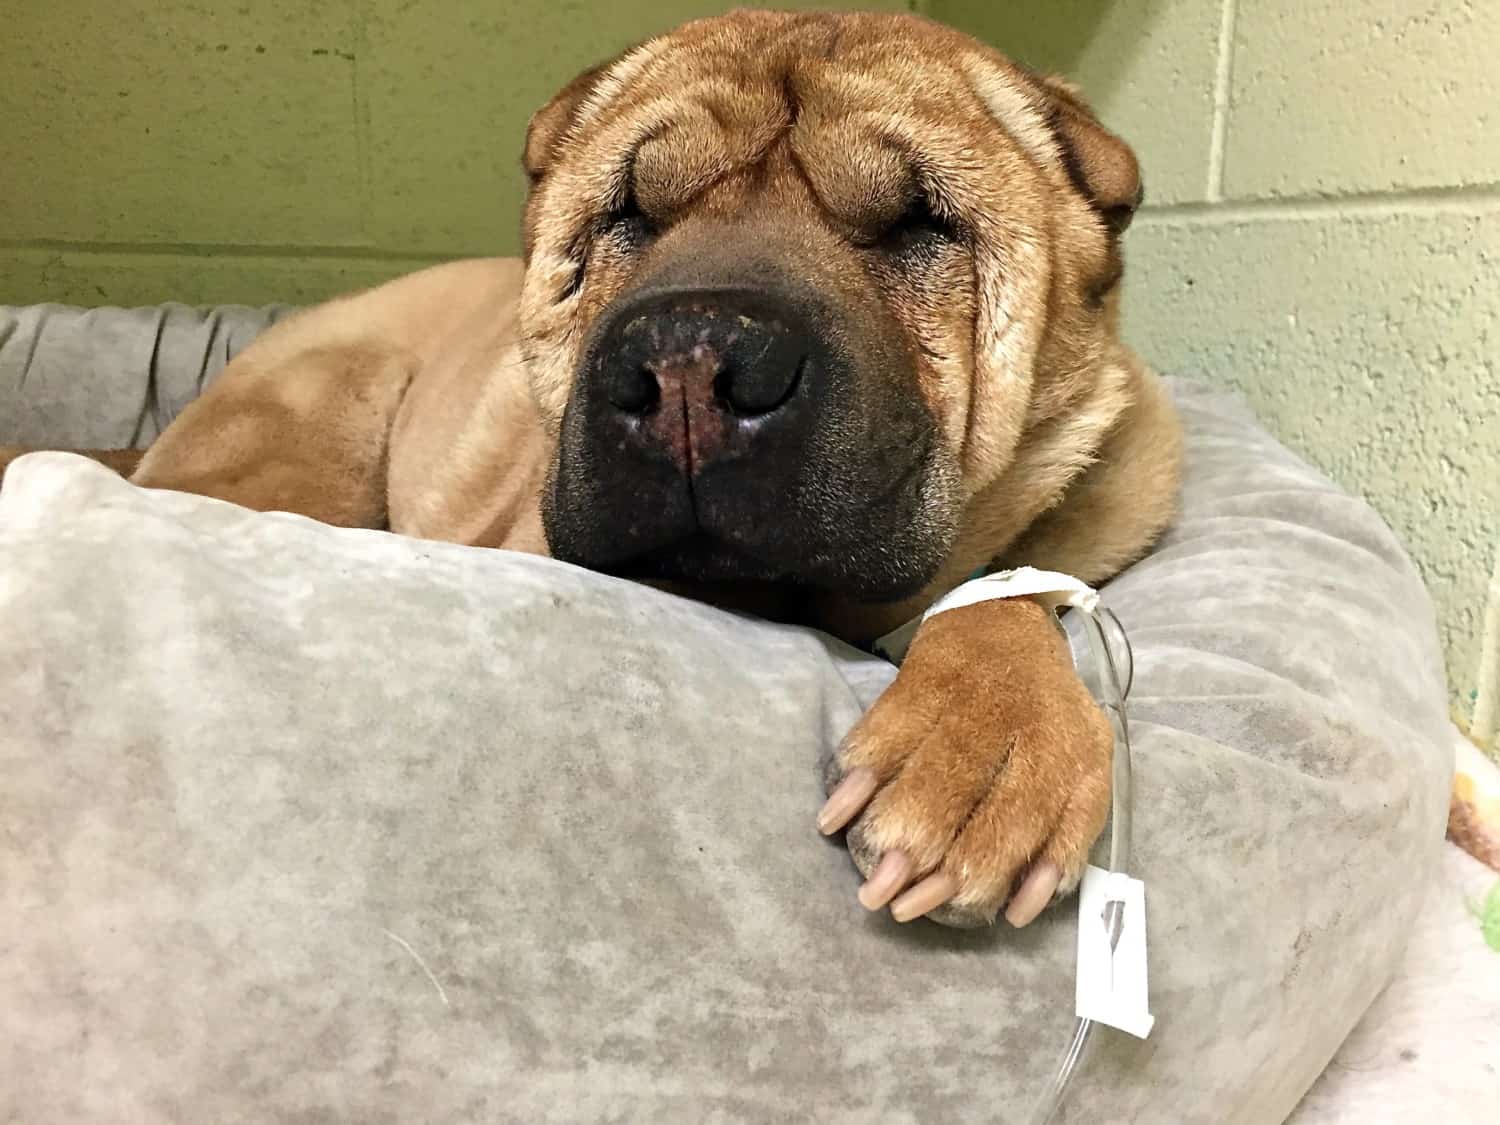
(918, 227)
(627, 230)
(628, 224)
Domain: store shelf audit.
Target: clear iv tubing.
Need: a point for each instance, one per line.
(1111, 694)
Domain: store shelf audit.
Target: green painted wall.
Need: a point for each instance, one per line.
(1323, 177)
(261, 150)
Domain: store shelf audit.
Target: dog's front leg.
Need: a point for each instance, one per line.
(981, 778)
(307, 432)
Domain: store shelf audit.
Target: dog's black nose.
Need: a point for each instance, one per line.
(693, 369)
(745, 364)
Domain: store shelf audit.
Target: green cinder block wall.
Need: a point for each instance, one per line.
(275, 150)
(1322, 229)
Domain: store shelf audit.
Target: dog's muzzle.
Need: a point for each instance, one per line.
(726, 431)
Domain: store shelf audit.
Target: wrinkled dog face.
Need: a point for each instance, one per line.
(796, 288)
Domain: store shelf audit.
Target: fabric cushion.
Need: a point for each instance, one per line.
(312, 822)
(112, 378)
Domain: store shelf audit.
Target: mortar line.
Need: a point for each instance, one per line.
(1484, 722)
(1223, 74)
(361, 107)
(1478, 198)
(233, 250)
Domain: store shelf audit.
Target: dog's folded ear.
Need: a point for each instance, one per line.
(551, 123)
(1100, 164)
(1050, 119)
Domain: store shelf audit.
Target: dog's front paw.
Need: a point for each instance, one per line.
(981, 778)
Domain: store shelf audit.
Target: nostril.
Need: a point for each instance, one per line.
(633, 389)
(760, 388)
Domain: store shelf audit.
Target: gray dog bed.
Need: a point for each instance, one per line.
(314, 824)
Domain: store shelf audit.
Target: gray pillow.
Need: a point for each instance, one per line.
(306, 823)
(112, 378)
(309, 824)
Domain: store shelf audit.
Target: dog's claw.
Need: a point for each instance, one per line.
(893, 873)
(847, 799)
(927, 895)
(1034, 893)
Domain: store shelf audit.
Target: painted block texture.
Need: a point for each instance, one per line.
(1370, 342)
(1334, 97)
(344, 124)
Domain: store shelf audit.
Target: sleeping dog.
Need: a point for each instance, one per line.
(817, 316)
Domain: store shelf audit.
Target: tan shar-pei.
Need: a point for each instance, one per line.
(817, 316)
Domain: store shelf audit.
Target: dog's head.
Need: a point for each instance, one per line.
(798, 285)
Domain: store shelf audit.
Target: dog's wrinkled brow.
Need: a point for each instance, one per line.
(614, 81)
